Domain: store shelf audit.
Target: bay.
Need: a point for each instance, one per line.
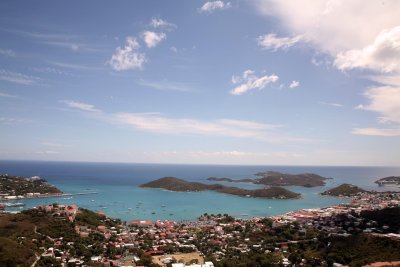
(119, 194)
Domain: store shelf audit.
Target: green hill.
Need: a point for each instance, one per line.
(179, 185)
(345, 190)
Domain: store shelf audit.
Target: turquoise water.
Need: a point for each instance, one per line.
(120, 197)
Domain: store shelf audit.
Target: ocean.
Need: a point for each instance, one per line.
(119, 194)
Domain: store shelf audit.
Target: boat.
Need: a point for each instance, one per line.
(163, 206)
(92, 200)
(244, 215)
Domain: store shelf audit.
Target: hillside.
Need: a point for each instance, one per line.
(345, 190)
(21, 186)
(391, 180)
(246, 180)
(283, 179)
(176, 184)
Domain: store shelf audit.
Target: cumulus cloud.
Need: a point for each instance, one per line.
(212, 6)
(382, 55)
(128, 57)
(152, 39)
(249, 81)
(320, 26)
(352, 45)
(386, 101)
(294, 84)
(271, 41)
(161, 23)
(80, 106)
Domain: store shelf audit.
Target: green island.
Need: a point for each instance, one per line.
(12, 187)
(176, 184)
(344, 190)
(391, 180)
(279, 179)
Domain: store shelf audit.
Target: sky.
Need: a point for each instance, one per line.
(258, 82)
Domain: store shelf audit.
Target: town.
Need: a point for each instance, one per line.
(313, 237)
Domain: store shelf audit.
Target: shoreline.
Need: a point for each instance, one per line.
(50, 195)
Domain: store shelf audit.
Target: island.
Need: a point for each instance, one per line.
(391, 180)
(272, 178)
(180, 185)
(246, 180)
(344, 190)
(15, 187)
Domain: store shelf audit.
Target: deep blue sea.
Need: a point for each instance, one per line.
(120, 197)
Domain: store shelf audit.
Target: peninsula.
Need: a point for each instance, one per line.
(391, 180)
(14, 187)
(344, 190)
(280, 179)
(179, 185)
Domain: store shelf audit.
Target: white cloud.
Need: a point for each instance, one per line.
(160, 124)
(271, 41)
(47, 152)
(13, 120)
(318, 22)
(50, 144)
(386, 132)
(7, 52)
(160, 23)
(128, 57)
(152, 39)
(157, 123)
(294, 84)
(80, 105)
(7, 95)
(165, 85)
(73, 66)
(211, 6)
(386, 101)
(250, 81)
(382, 55)
(365, 37)
(337, 105)
(15, 77)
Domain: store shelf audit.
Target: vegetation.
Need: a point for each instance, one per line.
(279, 179)
(391, 180)
(246, 180)
(346, 190)
(175, 184)
(92, 219)
(389, 217)
(359, 250)
(14, 185)
(282, 179)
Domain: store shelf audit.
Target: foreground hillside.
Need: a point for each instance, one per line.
(175, 184)
(46, 237)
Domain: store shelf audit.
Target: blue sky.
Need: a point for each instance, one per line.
(222, 82)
